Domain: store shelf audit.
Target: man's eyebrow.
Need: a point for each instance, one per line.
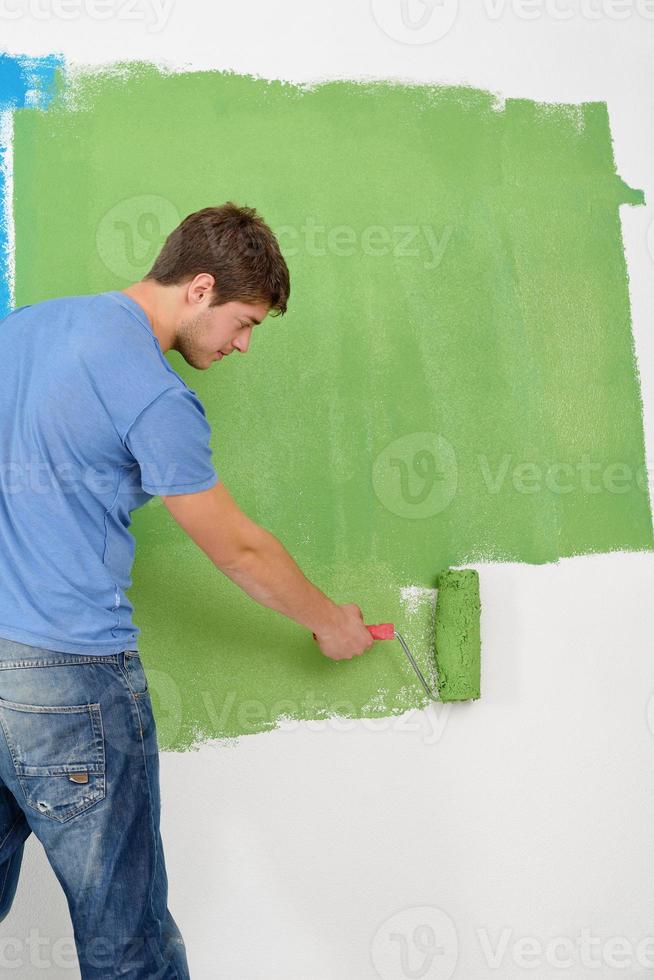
(249, 317)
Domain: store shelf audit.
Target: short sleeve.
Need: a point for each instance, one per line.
(170, 440)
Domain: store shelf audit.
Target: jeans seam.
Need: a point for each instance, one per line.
(3, 883)
(81, 658)
(51, 709)
(150, 814)
(155, 837)
(6, 863)
(135, 694)
(17, 820)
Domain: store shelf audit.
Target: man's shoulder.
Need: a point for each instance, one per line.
(108, 337)
(83, 308)
(103, 326)
(115, 345)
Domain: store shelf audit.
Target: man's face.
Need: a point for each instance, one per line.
(215, 332)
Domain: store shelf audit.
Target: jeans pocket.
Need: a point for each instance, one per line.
(135, 673)
(58, 754)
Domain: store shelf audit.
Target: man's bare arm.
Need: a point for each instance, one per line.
(256, 561)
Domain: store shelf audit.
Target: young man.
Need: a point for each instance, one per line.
(93, 423)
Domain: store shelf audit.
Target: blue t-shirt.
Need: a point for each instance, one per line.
(94, 422)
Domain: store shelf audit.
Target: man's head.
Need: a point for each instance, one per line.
(219, 273)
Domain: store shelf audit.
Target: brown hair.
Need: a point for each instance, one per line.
(236, 246)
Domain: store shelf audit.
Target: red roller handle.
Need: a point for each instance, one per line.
(382, 631)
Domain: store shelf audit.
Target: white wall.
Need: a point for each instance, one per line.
(339, 851)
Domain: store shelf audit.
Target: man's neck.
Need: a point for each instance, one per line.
(158, 303)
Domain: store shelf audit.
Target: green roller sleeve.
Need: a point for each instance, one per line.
(458, 635)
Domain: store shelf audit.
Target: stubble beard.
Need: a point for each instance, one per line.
(189, 340)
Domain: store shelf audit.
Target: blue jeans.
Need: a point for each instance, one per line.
(79, 766)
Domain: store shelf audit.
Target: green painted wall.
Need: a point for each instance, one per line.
(459, 328)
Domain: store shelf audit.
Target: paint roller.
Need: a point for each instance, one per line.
(457, 637)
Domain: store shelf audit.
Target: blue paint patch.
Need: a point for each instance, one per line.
(25, 83)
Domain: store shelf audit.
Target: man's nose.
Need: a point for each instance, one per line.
(242, 344)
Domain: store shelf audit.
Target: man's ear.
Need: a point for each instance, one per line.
(199, 288)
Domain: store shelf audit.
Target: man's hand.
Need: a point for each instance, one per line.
(348, 637)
